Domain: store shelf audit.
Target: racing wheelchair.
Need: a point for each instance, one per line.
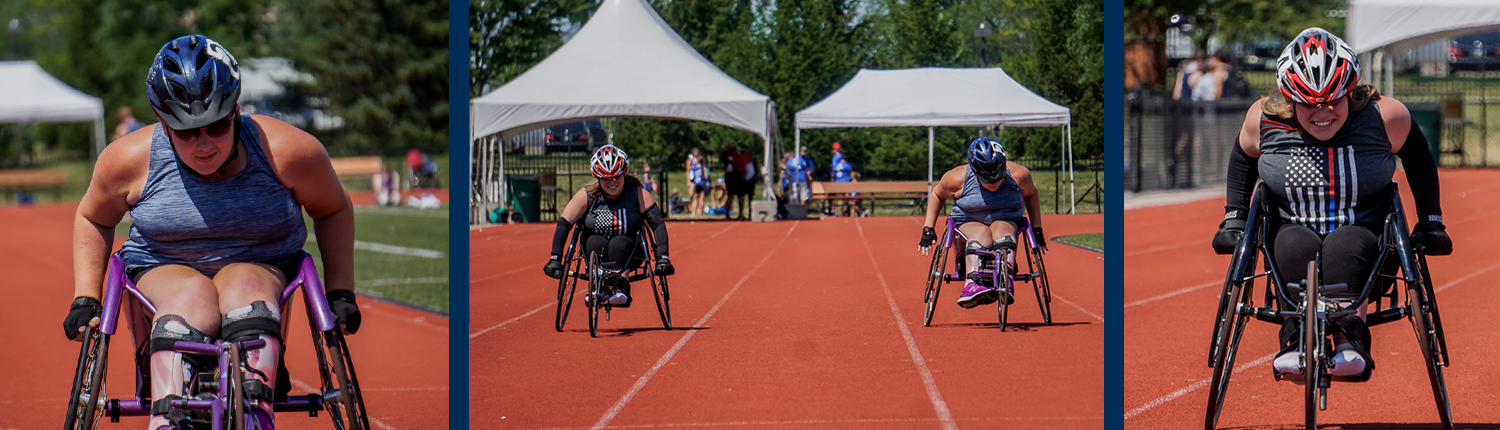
(222, 394)
(994, 270)
(577, 266)
(1400, 262)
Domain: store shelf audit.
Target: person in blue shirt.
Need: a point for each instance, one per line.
(842, 172)
(800, 167)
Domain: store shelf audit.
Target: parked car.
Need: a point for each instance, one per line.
(579, 136)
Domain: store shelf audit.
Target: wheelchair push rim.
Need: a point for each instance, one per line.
(340, 390)
(936, 274)
(596, 298)
(1039, 282)
(567, 286)
(1427, 335)
(86, 404)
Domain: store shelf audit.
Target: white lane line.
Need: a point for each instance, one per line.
(1203, 383)
(1157, 249)
(390, 249)
(1080, 308)
(310, 389)
(938, 405)
(497, 326)
(1190, 388)
(639, 383)
(1172, 294)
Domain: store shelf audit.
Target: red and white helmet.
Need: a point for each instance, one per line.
(610, 161)
(1316, 67)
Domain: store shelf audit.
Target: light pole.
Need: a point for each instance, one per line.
(982, 33)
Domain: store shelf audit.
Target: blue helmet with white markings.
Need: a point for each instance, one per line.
(987, 160)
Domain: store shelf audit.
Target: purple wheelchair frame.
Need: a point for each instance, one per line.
(1036, 274)
(117, 284)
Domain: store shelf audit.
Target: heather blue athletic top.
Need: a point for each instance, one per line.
(976, 204)
(206, 225)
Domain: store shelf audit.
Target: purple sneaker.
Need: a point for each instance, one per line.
(975, 295)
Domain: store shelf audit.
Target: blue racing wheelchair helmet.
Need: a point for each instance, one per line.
(987, 160)
(193, 82)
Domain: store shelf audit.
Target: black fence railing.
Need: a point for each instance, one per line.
(1172, 144)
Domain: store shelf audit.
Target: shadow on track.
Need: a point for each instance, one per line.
(1021, 326)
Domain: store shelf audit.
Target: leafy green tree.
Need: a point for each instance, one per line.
(507, 37)
(382, 65)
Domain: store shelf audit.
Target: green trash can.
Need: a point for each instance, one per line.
(1429, 118)
(526, 192)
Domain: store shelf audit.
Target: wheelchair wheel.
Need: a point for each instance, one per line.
(340, 387)
(1312, 346)
(1039, 282)
(566, 286)
(1427, 339)
(86, 404)
(659, 291)
(1226, 344)
(236, 400)
(1002, 271)
(596, 293)
(935, 277)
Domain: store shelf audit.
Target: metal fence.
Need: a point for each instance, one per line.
(1172, 144)
(564, 173)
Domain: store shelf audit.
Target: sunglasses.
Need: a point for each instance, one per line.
(216, 130)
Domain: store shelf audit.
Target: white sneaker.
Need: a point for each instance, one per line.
(618, 299)
(1290, 362)
(1347, 362)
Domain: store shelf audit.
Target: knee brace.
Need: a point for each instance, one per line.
(1007, 243)
(172, 328)
(250, 322)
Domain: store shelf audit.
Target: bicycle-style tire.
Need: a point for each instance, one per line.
(596, 295)
(1222, 362)
(86, 403)
(1039, 283)
(1427, 340)
(936, 275)
(340, 390)
(1312, 344)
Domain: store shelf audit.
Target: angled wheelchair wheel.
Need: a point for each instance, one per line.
(1229, 302)
(1227, 341)
(1039, 282)
(1002, 271)
(566, 287)
(1312, 347)
(659, 291)
(236, 398)
(596, 293)
(86, 404)
(1423, 309)
(936, 272)
(340, 386)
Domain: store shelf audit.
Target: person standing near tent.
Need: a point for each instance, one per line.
(842, 172)
(800, 167)
(217, 200)
(697, 177)
(128, 123)
(732, 178)
(744, 167)
(991, 196)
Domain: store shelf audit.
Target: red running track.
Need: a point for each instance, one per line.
(401, 354)
(1173, 278)
(791, 325)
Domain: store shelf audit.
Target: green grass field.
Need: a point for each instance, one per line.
(393, 273)
(1091, 241)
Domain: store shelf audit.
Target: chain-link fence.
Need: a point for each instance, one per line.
(1172, 144)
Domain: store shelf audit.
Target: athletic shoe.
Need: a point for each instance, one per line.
(975, 295)
(621, 297)
(1289, 363)
(1347, 361)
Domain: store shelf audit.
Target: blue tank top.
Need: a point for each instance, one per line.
(208, 224)
(980, 205)
(1325, 185)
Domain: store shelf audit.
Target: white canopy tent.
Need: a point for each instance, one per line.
(1396, 25)
(937, 97)
(29, 94)
(625, 62)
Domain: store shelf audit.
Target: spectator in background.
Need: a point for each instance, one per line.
(744, 166)
(801, 171)
(718, 194)
(424, 171)
(697, 176)
(647, 179)
(1182, 117)
(842, 172)
(732, 178)
(387, 186)
(128, 123)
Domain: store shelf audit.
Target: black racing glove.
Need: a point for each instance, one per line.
(1432, 238)
(1231, 231)
(1041, 239)
(345, 311)
(554, 267)
(664, 266)
(928, 236)
(83, 310)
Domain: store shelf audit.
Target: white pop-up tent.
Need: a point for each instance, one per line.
(625, 62)
(29, 95)
(938, 97)
(1396, 25)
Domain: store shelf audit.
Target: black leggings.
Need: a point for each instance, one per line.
(1349, 254)
(614, 251)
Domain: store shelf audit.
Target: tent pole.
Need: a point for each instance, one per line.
(797, 147)
(1072, 199)
(99, 137)
(765, 171)
(929, 159)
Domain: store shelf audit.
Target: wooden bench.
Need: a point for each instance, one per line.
(892, 190)
(356, 167)
(15, 181)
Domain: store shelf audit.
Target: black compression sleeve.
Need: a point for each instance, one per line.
(560, 238)
(1421, 173)
(659, 227)
(1241, 180)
